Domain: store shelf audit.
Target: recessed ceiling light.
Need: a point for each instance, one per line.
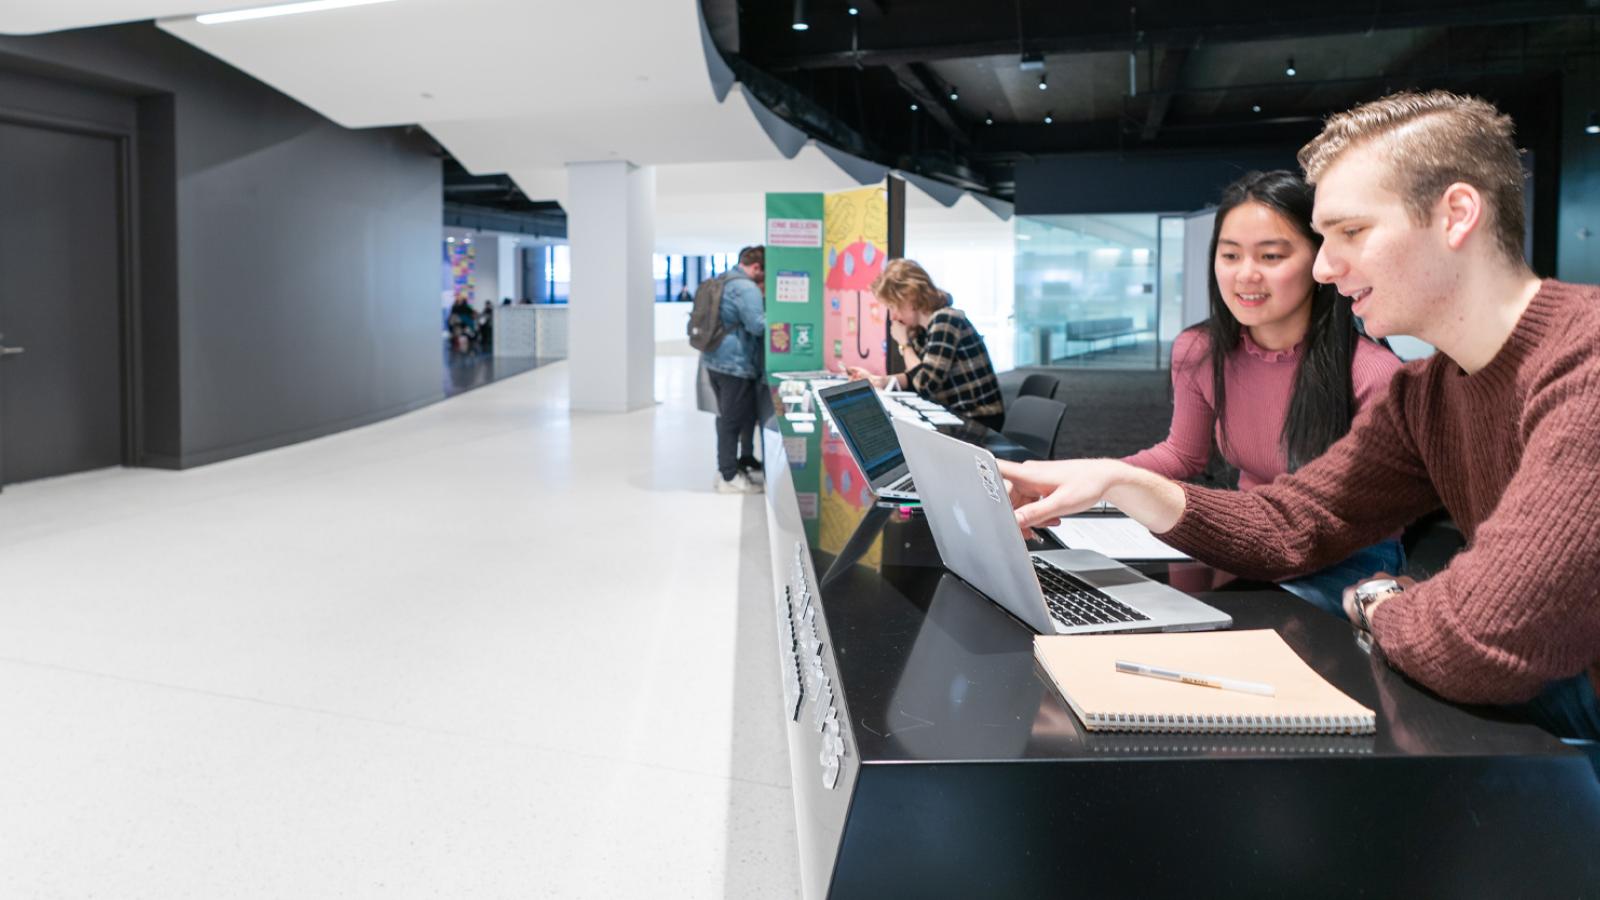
(988, 119)
(854, 11)
(1049, 118)
(279, 9)
(1255, 108)
(1594, 123)
(913, 107)
(1042, 82)
(954, 94)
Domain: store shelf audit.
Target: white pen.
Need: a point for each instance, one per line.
(1210, 681)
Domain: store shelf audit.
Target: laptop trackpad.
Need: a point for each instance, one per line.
(1109, 578)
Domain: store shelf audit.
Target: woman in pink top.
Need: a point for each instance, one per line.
(1279, 370)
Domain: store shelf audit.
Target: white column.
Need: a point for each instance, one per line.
(505, 269)
(611, 319)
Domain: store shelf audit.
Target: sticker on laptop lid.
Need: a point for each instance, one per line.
(991, 481)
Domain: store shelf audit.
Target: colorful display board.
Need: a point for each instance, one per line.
(794, 282)
(461, 264)
(856, 325)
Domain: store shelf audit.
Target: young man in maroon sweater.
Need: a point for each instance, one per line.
(1419, 200)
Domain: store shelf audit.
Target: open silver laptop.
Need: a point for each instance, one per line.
(1052, 591)
(862, 421)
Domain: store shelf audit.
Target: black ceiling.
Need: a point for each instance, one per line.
(494, 202)
(1159, 76)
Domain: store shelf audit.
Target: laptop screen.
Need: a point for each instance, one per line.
(864, 425)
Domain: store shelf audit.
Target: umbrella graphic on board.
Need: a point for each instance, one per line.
(851, 271)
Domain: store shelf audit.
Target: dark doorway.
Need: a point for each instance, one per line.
(61, 277)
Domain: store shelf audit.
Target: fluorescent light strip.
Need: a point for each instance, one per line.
(282, 9)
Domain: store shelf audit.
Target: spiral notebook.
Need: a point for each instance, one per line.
(1083, 668)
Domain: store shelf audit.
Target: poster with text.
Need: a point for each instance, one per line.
(794, 238)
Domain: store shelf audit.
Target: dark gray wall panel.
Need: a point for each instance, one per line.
(288, 266)
(158, 386)
(323, 311)
(1113, 183)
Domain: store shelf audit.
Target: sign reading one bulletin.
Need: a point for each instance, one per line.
(794, 282)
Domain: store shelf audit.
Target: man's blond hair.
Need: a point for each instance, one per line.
(1431, 141)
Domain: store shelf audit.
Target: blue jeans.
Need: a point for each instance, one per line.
(1567, 708)
(1324, 588)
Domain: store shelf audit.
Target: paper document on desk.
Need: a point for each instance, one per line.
(1114, 536)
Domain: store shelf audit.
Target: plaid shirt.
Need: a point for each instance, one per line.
(955, 371)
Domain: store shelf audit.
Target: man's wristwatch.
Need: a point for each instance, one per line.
(1370, 593)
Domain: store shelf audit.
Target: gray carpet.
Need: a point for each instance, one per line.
(1112, 413)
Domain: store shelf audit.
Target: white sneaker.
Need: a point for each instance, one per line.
(738, 484)
(755, 476)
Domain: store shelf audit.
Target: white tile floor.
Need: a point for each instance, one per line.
(488, 649)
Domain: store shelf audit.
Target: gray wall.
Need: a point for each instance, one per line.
(1578, 229)
(1136, 182)
(288, 267)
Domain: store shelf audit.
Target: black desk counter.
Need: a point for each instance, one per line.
(931, 758)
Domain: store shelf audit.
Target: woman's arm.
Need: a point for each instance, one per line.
(1187, 449)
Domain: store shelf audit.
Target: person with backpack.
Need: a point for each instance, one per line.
(727, 325)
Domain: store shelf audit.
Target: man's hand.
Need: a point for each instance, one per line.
(856, 373)
(898, 331)
(1043, 492)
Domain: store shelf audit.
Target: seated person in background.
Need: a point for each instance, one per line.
(1287, 356)
(946, 361)
(486, 323)
(1419, 199)
(463, 324)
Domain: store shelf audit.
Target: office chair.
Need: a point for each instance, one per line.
(1033, 423)
(1040, 385)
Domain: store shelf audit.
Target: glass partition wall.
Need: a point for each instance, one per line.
(1097, 290)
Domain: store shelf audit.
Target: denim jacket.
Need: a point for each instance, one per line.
(744, 315)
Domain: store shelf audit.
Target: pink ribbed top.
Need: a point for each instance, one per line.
(1259, 383)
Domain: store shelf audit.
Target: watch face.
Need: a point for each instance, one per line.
(1373, 589)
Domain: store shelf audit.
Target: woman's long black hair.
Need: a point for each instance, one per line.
(1323, 401)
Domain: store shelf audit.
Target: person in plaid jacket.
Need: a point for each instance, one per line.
(946, 360)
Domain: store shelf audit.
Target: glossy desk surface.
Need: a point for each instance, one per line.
(937, 689)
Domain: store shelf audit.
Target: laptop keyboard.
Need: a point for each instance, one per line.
(1073, 603)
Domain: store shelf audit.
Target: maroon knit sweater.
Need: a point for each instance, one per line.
(1512, 452)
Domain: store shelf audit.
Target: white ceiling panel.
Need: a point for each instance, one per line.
(38, 16)
(704, 131)
(450, 60)
(524, 87)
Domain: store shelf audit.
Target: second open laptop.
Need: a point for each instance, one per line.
(1052, 591)
(862, 421)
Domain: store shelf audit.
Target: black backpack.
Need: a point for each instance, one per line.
(706, 329)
